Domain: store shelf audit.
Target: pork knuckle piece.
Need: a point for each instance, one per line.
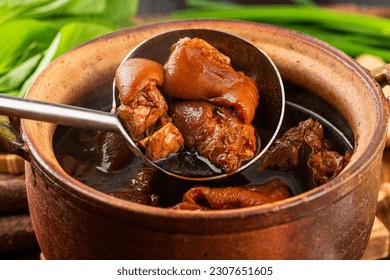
(205, 198)
(164, 142)
(214, 133)
(141, 102)
(143, 109)
(196, 70)
(324, 163)
(283, 153)
(216, 126)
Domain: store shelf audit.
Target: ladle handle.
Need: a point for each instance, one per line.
(58, 113)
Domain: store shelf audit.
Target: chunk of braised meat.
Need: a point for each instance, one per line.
(196, 70)
(283, 153)
(138, 189)
(323, 163)
(214, 133)
(141, 102)
(205, 198)
(162, 143)
(326, 165)
(137, 197)
(143, 109)
(113, 153)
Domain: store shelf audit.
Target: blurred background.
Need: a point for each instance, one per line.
(150, 6)
(41, 30)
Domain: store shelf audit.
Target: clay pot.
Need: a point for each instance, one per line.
(333, 221)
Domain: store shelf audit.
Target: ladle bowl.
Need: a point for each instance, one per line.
(245, 57)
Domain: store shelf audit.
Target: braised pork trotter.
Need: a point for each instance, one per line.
(323, 163)
(205, 198)
(196, 70)
(143, 109)
(214, 133)
(165, 141)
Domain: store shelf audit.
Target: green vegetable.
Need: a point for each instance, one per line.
(13, 9)
(223, 4)
(22, 39)
(12, 80)
(76, 33)
(305, 2)
(353, 33)
(70, 36)
(50, 9)
(34, 32)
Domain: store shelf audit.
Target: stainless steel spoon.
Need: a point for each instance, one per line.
(245, 57)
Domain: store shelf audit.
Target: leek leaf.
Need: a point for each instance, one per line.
(13, 79)
(76, 33)
(34, 32)
(70, 36)
(22, 39)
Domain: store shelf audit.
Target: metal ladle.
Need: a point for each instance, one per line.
(245, 57)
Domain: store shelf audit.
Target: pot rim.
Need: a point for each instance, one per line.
(300, 203)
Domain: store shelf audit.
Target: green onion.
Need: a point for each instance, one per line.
(351, 32)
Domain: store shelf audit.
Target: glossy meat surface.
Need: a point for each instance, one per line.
(215, 133)
(326, 165)
(196, 70)
(143, 109)
(205, 198)
(141, 102)
(112, 152)
(283, 154)
(217, 126)
(322, 163)
(164, 142)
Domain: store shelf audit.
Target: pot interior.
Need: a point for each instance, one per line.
(132, 180)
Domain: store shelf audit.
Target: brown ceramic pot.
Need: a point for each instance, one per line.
(333, 221)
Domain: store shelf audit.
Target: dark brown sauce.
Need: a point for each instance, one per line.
(133, 180)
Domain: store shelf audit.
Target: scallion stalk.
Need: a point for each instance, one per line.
(353, 33)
